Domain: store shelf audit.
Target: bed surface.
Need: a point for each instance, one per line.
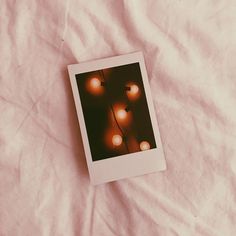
(190, 53)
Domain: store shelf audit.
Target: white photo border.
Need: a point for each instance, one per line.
(127, 165)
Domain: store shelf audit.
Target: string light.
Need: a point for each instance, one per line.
(144, 145)
(95, 83)
(132, 91)
(95, 86)
(116, 140)
(121, 114)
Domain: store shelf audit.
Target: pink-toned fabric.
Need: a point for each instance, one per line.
(190, 52)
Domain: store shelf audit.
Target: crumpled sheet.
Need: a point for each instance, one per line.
(190, 53)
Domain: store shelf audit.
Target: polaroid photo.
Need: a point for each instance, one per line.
(117, 119)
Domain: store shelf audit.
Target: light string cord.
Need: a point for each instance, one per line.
(113, 113)
(130, 106)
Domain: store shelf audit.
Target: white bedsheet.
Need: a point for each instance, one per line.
(190, 53)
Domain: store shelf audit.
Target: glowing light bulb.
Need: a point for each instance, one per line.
(134, 89)
(116, 140)
(144, 145)
(95, 83)
(121, 114)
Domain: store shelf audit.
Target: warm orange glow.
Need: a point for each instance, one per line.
(94, 86)
(121, 114)
(116, 140)
(133, 91)
(144, 145)
(95, 83)
(112, 135)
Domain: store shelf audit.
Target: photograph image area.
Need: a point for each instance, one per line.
(115, 111)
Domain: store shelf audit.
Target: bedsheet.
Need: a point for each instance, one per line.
(190, 52)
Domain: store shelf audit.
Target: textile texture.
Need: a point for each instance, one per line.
(189, 48)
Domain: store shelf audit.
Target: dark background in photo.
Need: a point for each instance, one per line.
(100, 106)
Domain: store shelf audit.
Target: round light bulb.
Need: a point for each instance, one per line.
(121, 114)
(134, 89)
(116, 140)
(144, 145)
(95, 83)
